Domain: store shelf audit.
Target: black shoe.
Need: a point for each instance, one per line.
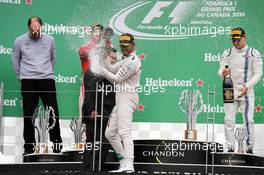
(57, 147)
(250, 151)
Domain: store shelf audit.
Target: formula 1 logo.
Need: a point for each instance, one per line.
(162, 20)
(118, 22)
(177, 15)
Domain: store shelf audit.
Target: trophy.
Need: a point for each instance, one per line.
(43, 120)
(40, 121)
(191, 103)
(75, 154)
(77, 128)
(241, 135)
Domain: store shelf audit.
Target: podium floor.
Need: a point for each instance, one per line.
(157, 157)
(70, 168)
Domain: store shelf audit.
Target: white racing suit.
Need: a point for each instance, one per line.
(246, 70)
(125, 75)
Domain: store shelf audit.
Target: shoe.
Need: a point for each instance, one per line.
(126, 169)
(250, 151)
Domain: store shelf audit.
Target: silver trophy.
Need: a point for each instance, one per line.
(241, 135)
(40, 121)
(77, 128)
(191, 103)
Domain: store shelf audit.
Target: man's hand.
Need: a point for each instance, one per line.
(226, 72)
(243, 91)
(93, 115)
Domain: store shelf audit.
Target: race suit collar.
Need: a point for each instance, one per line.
(242, 50)
(132, 53)
(129, 55)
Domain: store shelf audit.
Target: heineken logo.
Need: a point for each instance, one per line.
(66, 79)
(5, 50)
(11, 1)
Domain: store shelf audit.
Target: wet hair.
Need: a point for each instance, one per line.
(34, 17)
(97, 27)
(112, 50)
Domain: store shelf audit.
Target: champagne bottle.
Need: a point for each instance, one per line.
(228, 89)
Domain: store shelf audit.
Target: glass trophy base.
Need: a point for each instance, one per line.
(190, 135)
(75, 155)
(44, 157)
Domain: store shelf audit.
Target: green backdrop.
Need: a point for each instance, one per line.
(181, 42)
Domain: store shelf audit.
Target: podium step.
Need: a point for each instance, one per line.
(163, 157)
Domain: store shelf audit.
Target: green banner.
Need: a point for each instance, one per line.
(180, 43)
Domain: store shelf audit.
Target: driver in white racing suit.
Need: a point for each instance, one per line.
(245, 67)
(125, 75)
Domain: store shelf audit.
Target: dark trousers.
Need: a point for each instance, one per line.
(90, 145)
(31, 91)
